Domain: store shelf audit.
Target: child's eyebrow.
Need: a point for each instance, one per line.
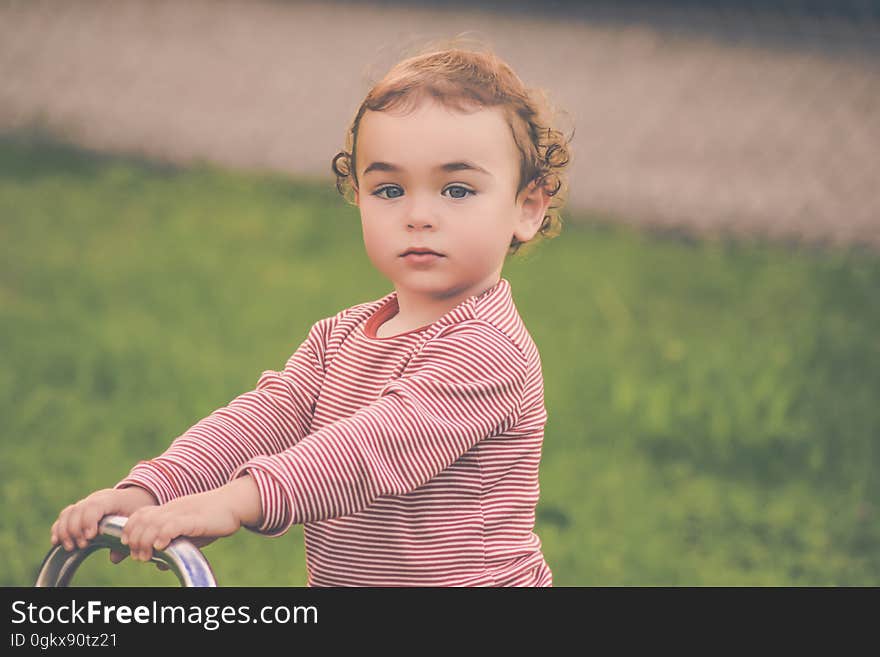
(462, 165)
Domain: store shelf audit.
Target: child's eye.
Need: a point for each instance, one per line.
(464, 189)
(379, 191)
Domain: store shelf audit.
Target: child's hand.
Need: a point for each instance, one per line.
(202, 517)
(77, 524)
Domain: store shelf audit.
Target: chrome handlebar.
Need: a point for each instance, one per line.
(181, 556)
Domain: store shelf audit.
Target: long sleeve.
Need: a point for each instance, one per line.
(266, 420)
(464, 385)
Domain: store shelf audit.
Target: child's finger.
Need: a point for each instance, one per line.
(91, 518)
(131, 536)
(64, 537)
(165, 535)
(142, 538)
(59, 528)
(149, 538)
(74, 526)
(141, 551)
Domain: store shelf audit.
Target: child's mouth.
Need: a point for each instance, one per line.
(421, 258)
(420, 255)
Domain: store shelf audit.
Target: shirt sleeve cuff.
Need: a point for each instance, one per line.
(277, 518)
(152, 478)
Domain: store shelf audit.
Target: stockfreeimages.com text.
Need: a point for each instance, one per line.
(210, 617)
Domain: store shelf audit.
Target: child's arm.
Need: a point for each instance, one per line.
(461, 387)
(267, 420)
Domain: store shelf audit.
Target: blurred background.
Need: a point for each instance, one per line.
(708, 320)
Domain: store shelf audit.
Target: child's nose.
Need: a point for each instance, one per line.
(421, 212)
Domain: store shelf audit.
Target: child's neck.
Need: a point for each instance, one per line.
(418, 309)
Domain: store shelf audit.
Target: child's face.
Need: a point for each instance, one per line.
(466, 215)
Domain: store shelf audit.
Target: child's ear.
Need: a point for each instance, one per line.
(531, 211)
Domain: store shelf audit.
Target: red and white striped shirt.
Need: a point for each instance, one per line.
(410, 460)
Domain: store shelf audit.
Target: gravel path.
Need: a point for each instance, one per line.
(673, 129)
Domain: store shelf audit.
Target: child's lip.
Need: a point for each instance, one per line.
(420, 250)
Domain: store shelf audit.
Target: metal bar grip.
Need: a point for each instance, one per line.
(181, 557)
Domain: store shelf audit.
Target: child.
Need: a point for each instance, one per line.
(404, 433)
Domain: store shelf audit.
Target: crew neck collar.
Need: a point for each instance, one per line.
(389, 308)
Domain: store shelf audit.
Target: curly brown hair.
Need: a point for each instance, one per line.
(459, 78)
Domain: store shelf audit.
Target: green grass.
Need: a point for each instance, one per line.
(713, 415)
